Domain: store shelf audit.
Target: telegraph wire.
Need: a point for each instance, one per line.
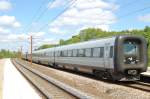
(42, 13)
(128, 4)
(34, 15)
(71, 3)
(133, 12)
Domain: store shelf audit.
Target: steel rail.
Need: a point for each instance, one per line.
(138, 85)
(39, 88)
(75, 92)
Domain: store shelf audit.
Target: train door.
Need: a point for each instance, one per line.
(106, 56)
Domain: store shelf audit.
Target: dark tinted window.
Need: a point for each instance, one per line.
(131, 48)
(55, 54)
(70, 53)
(75, 52)
(52, 54)
(102, 52)
(111, 52)
(81, 53)
(65, 53)
(61, 53)
(58, 54)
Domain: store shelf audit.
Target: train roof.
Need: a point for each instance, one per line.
(85, 44)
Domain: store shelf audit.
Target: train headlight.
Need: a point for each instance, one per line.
(132, 72)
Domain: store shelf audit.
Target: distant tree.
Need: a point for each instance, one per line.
(7, 54)
(94, 33)
(45, 46)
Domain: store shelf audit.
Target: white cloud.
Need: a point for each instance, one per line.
(14, 37)
(145, 18)
(11, 38)
(9, 22)
(90, 4)
(5, 5)
(86, 13)
(4, 31)
(37, 34)
(56, 30)
(57, 3)
(20, 37)
(45, 41)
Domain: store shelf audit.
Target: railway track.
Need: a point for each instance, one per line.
(138, 85)
(49, 87)
(143, 84)
(91, 86)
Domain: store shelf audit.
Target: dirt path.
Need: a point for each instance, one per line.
(1, 76)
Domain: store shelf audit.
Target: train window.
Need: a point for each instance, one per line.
(88, 52)
(75, 52)
(61, 53)
(96, 52)
(58, 54)
(70, 53)
(102, 52)
(65, 53)
(81, 53)
(111, 52)
(49, 54)
(44, 54)
(52, 54)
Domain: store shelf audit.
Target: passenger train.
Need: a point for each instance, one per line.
(119, 58)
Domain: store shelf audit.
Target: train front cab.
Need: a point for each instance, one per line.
(130, 57)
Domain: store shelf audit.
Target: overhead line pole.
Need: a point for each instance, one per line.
(31, 49)
(21, 51)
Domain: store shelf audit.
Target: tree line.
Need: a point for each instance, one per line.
(95, 33)
(7, 54)
(85, 35)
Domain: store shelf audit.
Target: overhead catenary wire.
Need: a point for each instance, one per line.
(133, 12)
(65, 9)
(35, 15)
(130, 13)
(123, 6)
(128, 4)
(42, 13)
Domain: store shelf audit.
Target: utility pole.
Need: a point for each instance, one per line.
(31, 49)
(21, 51)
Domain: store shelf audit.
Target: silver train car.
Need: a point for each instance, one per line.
(120, 58)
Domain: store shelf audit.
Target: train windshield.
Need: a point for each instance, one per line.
(131, 52)
(131, 48)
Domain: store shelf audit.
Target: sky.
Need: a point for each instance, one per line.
(48, 21)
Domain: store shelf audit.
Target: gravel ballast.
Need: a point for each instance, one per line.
(96, 88)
